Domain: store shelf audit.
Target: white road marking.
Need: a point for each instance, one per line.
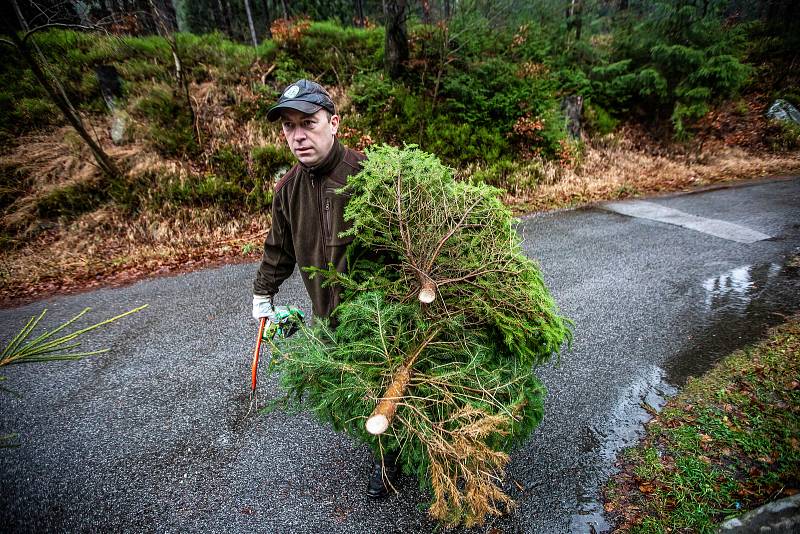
(715, 227)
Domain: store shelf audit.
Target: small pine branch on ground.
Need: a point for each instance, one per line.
(45, 347)
(442, 323)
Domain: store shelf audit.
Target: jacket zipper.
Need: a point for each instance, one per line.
(325, 213)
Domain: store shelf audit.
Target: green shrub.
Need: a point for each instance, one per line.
(459, 144)
(597, 120)
(675, 61)
(783, 136)
(336, 54)
(229, 165)
(131, 192)
(71, 200)
(270, 160)
(489, 91)
(169, 124)
(36, 113)
(389, 109)
(269, 163)
(496, 174)
(288, 70)
(201, 191)
(231, 61)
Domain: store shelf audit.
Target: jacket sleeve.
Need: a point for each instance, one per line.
(278, 260)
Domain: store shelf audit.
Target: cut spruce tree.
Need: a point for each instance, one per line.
(435, 344)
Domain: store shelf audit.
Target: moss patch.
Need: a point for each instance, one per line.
(729, 442)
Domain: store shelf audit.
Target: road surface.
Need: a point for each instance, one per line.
(155, 436)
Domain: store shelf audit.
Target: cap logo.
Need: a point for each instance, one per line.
(291, 92)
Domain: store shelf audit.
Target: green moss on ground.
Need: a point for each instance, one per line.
(729, 442)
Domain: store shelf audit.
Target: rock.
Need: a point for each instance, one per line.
(777, 517)
(119, 127)
(782, 110)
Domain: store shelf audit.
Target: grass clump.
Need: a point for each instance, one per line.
(727, 443)
(169, 122)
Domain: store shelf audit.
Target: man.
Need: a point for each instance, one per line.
(307, 215)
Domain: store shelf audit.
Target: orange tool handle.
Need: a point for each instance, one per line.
(257, 352)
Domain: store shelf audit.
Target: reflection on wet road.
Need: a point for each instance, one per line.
(622, 429)
(738, 306)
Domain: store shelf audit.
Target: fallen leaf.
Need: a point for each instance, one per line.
(608, 507)
(646, 488)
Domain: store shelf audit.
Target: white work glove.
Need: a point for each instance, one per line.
(262, 307)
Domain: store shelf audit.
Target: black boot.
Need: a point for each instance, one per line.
(383, 477)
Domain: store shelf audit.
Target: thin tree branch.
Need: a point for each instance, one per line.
(57, 25)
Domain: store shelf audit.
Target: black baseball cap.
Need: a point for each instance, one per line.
(304, 96)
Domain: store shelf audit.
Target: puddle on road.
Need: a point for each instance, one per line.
(737, 308)
(734, 309)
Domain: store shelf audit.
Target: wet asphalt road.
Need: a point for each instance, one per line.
(153, 435)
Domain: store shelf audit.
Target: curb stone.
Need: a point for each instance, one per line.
(777, 517)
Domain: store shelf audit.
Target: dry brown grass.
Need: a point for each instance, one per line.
(612, 169)
(109, 246)
(106, 247)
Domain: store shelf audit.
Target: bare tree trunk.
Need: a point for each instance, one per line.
(446, 9)
(575, 17)
(235, 33)
(225, 19)
(55, 91)
(60, 100)
(250, 22)
(268, 18)
(359, 8)
(285, 5)
(396, 41)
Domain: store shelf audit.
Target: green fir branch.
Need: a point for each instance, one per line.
(44, 349)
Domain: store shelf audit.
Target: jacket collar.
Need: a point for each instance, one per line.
(329, 163)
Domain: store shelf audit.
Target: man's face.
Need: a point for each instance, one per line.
(310, 137)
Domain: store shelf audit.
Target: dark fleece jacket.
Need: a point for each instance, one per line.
(307, 217)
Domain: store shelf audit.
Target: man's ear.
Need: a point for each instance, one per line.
(334, 122)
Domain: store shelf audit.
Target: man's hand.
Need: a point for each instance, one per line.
(262, 307)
